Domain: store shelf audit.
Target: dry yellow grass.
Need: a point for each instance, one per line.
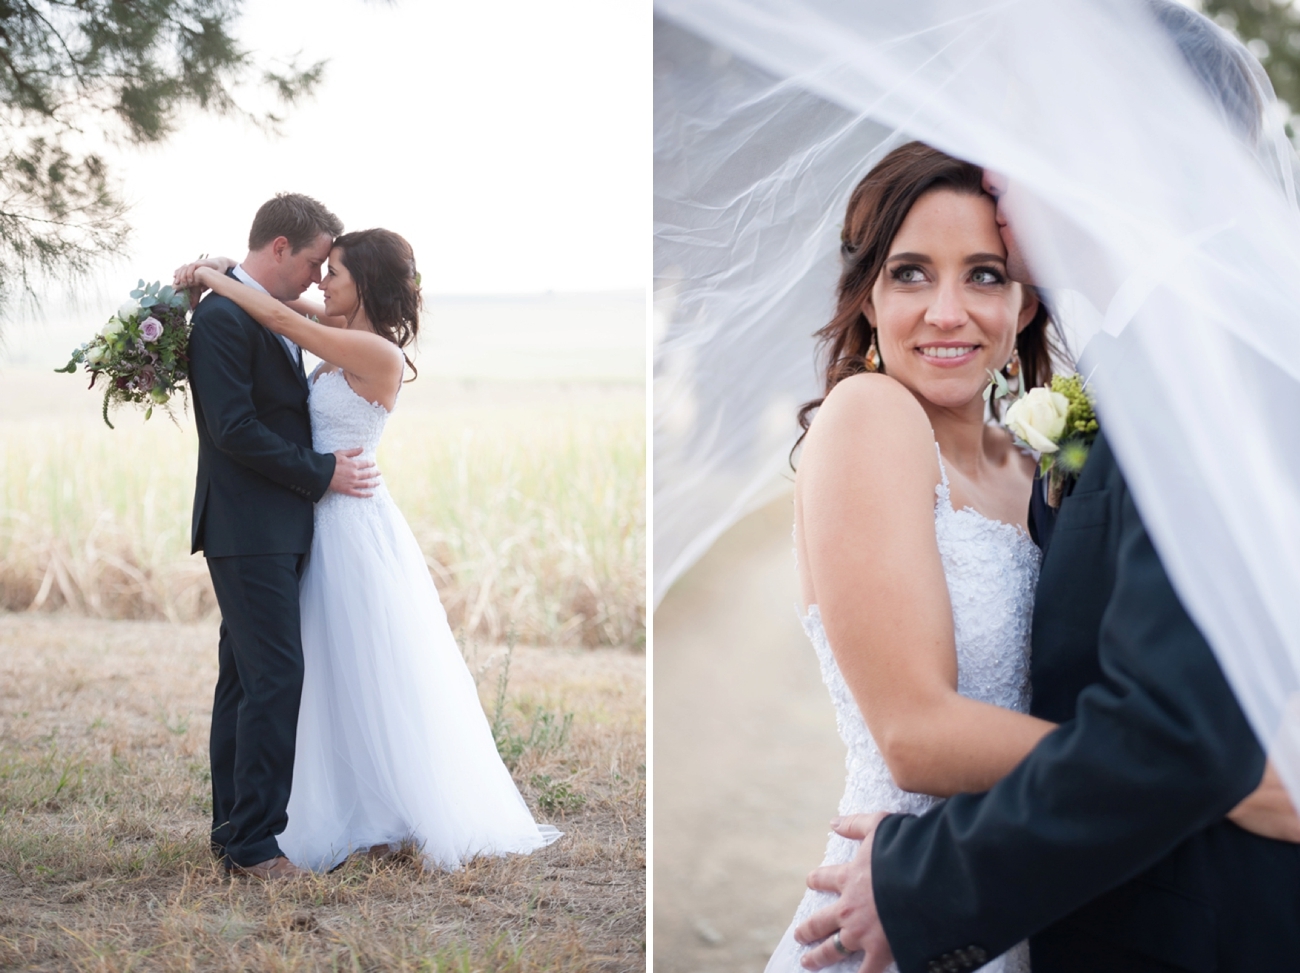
(528, 500)
(104, 814)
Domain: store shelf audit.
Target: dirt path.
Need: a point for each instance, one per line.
(748, 765)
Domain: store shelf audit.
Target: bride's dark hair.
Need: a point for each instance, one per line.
(382, 266)
(877, 208)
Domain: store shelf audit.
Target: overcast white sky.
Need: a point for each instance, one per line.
(508, 141)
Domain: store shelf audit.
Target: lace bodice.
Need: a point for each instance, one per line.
(992, 571)
(342, 419)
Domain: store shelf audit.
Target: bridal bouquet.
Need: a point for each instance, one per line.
(141, 350)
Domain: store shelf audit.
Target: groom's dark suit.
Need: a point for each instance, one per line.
(257, 480)
(1107, 845)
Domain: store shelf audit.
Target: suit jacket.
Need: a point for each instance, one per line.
(1109, 839)
(258, 476)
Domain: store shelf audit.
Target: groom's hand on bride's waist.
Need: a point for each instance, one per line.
(851, 923)
(1268, 811)
(353, 477)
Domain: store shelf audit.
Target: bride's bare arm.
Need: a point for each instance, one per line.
(865, 496)
(869, 559)
(183, 276)
(372, 359)
(310, 309)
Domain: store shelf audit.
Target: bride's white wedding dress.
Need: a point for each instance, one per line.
(392, 741)
(992, 570)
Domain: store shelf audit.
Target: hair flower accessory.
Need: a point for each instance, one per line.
(1060, 424)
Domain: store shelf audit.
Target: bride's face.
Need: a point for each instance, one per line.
(338, 287)
(944, 309)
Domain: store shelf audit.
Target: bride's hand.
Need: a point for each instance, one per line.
(203, 277)
(184, 277)
(1268, 811)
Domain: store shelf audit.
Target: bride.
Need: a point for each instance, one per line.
(1166, 619)
(392, 742)
(916, 563)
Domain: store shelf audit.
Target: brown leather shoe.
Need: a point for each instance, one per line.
(272, 868)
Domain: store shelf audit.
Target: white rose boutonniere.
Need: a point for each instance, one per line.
(1057, 422)
(1039, 419)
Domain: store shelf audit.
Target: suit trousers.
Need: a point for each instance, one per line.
(255, 708)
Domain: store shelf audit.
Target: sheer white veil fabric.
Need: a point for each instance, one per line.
(1162, 226)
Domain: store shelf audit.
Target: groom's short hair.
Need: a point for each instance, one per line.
(298, 218)
(1228, 72)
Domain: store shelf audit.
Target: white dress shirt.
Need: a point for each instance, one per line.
(244, 277)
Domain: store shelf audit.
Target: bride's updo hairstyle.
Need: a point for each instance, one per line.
(879, 205)
(382, 266)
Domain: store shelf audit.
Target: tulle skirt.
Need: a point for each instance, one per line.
(392, 744)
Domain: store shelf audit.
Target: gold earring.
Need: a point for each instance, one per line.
(1012, 371)
(873, 356)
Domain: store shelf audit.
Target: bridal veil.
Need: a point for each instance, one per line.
(1161, 221)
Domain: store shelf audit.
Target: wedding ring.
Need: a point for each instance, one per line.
(839, 944)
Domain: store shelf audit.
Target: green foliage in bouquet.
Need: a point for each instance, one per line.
(141, 350)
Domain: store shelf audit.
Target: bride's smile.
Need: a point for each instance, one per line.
(944, 308)
(339, 289)
(946, 355)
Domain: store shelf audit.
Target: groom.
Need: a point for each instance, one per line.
(1108, 845)
(257, 481)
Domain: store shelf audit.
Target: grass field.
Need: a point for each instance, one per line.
(528, 500)
(104, 811)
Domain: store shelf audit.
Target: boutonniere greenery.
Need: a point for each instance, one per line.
(1059, 423)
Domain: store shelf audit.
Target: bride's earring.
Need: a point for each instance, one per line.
(1012, 368)
(999, 386)
(873, 355)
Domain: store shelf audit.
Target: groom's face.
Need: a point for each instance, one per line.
(998, 186)
(299, 270)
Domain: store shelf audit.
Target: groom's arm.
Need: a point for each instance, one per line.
(1158, 750)
(221, 355)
